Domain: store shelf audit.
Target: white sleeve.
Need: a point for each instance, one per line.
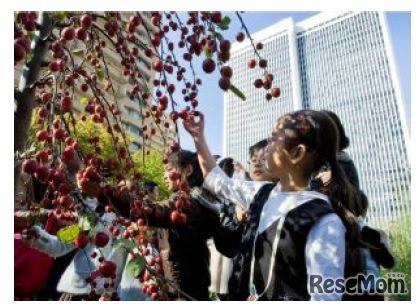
(325, 256)
(238, 191)
(50, 245)
(119, 255)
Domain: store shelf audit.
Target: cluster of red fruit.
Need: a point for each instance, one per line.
(88, 175)
(181, 205)
(267, 82)
(100, 240)
(149, 284)
(96, 110)
(106, 268)
(197, 36)
(209, 64)
(55, 177)
(22, 43)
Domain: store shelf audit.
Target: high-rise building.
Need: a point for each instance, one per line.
(342, 62)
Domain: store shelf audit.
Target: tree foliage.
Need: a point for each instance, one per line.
(151, 167)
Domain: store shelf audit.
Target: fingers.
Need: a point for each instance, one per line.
(200, 116)
(192, 124)
(29, 235)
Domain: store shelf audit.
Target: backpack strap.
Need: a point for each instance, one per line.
(260, 199)
(239, 280)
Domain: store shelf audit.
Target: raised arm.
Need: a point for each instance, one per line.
(237, 191)
(196, 129)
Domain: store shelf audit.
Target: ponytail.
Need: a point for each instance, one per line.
(343, 197)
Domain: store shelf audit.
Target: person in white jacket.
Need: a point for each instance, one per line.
(301, 143)
(73, 283)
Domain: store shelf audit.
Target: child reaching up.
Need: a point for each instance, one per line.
(294, 232)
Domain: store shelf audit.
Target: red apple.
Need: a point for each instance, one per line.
(107, 268)
(68, 33)
(240, 37)
(81, 33)
(224, 83)
(100, 239)
(29, 166)
(251, 63)
(275, 91)
(86, 20)
(208, 66)
(81, 241)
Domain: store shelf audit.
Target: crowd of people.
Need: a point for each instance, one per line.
(256, 234)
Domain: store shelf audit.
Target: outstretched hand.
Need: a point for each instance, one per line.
(193, 126)
(29, 235)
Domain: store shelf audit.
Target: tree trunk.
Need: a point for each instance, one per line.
(25, 96)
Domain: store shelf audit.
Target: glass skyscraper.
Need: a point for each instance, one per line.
(341, 62)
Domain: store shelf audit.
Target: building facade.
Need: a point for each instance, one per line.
(341, 62)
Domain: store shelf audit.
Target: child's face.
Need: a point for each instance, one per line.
(154, 195)
(171, 184)
(276, 161)
(257, 170)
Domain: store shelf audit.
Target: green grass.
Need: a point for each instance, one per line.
(400, 236)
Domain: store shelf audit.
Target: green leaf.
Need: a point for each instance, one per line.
(87, 221)
(84, 224)
(29, 56)
(68, 234)
(124, 243)
(60, 16)
(237, 92)
(219, 36)
(208, 53)
(150, 233)
(100, 74)
(160, 283)
(214, 297)
(224, 24)
(84, 100)
(31, 35)
(136, 266)
(78, 51)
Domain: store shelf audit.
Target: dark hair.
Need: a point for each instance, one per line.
(184, 158)
(227, 166)
(149, 186)
(343, 141)
(363, 204)
(258, 146)
(319, 134)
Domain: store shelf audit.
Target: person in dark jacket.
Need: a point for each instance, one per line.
(189, 225)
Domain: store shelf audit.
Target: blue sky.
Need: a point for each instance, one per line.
(211, 97)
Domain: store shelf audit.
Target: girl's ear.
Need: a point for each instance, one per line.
(188, 170)
(297, 154)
